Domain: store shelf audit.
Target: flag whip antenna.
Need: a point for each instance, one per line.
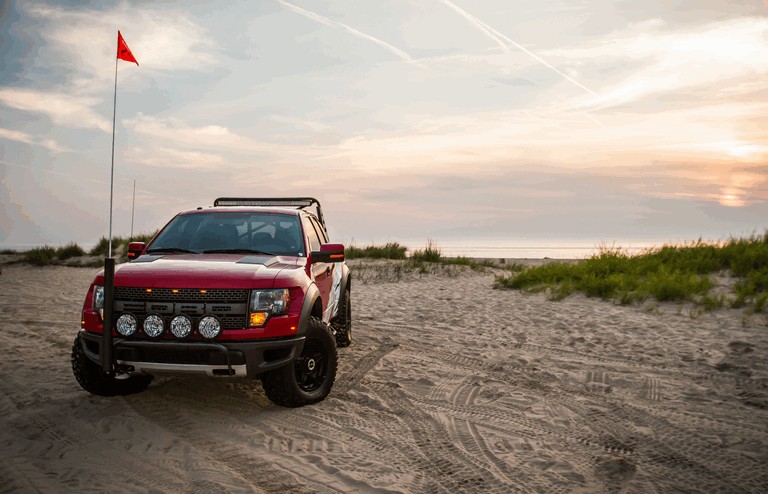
(133, 206)
(112, 168)
(107, 360)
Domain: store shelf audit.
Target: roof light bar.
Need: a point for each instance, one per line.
(296, 202)
(285, 202)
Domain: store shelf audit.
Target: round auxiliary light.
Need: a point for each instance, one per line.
(181, 326)
(209, 327)
(126, 324)
(153, 326)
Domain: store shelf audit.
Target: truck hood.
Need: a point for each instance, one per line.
(234, 271)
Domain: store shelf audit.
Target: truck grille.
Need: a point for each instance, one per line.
(182, 294)
(229, 306)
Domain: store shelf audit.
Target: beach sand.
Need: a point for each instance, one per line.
(449, 386)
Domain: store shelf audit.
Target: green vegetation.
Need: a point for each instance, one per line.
(69, 251)
(42, 256)
(119, 245)
(391, 250)
(420, 259)
(466, 261)
(670, 273)
(47, 255)
(431, 253)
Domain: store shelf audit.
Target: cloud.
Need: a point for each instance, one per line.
(204, 145)
(62, 108)
(176, 130)
(16, 135)
(663, 61)
(83, 42)
(167, 157)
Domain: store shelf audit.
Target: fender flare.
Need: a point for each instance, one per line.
(344, 285)
(310, 297)
(346, 279)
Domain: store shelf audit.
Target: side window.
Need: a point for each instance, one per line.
(320, 231)
(309, 231)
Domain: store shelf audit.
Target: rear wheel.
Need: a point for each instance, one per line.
(342, 325)
(92, 378)
(310, 378)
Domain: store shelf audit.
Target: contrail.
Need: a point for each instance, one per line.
(331, 23)
(504, 43)
(598, 122)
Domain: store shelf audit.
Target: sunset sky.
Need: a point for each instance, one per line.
(489, 121)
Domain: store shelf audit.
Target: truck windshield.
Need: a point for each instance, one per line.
(222, 232)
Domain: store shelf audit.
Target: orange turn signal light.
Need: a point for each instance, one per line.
(258, 319)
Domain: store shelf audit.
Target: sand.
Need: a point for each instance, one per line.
(449, 386)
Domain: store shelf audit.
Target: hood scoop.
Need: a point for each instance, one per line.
(266, 261)
(146, 258)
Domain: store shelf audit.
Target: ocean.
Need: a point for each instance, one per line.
(521, 248)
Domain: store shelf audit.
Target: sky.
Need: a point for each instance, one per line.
(488, 122)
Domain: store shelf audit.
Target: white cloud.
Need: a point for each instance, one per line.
(661, 61)
(177, 131)
(167, 157)
(85, 42)
(159, 132)
(16, 135)
(63, 109)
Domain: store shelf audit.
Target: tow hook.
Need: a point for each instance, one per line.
(123, 371)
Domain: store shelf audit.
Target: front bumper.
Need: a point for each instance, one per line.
(224, 358)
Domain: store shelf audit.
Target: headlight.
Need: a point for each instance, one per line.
(265, 303)
(97, 302)
(98, 297)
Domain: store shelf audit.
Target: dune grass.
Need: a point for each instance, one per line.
(47, 255)
(431, 253)
(119, 244)
(668, 274)
(42, 256)
(390, 250)
(421, 259)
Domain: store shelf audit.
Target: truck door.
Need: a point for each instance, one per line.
(321, 272)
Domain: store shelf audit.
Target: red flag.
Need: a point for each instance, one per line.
(123, 52)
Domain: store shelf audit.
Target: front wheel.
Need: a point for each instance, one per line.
(92, 378)
(310, 378)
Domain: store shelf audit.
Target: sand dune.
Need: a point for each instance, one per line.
(449, 386)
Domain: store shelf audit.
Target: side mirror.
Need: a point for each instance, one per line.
(135, 249)
(329, 253)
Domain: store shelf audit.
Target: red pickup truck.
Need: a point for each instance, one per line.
(246, 288)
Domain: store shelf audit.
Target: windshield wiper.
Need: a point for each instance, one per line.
(171, 250)
(238, 251)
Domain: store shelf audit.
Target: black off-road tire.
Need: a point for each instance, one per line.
(310, 377)
(92, 378)
(342, 325)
